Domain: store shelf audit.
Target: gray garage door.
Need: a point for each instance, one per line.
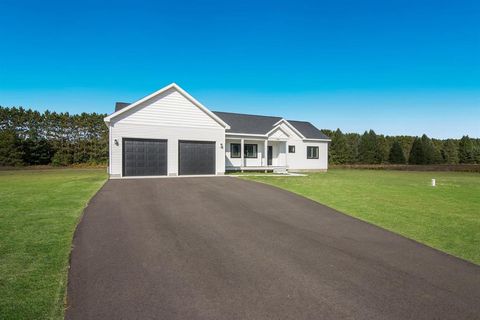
(196, 157)
(144, 157)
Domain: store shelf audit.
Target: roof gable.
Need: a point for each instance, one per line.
(278, 133)
(121, 108)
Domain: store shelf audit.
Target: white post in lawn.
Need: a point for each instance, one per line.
(242, 164)
(433, 182)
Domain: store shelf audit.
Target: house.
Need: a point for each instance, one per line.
(170, 133)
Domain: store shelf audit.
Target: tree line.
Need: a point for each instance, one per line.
(28, 137)
(372, 148)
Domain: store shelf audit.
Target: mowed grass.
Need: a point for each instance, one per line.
(38, 214)
(446, 217)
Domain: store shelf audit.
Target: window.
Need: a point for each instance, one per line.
(312, 152)
(291, 149)
(250, 150)
(235, 150)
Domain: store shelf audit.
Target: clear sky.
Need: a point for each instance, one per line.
(398, 67)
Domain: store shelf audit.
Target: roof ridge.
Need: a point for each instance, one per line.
(248, 114)
(299, 121)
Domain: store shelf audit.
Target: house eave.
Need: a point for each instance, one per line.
(237, 134)
(322, 140)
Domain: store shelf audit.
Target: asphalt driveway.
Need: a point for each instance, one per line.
(224, 248)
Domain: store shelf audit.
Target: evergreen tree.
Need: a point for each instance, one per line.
(37, 151)
(476, 150)
(466, 151)
(431, 153)
(417, 155)
(423, 151)
(450, 151)
(396, 155)
(353, 140)
(428, 150)
(338, 148)
(39, 136)
(369, 151)
(10, 148)
(383, 148)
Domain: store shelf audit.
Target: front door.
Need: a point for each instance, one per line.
(269, 155)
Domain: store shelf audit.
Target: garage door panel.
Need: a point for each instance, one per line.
(196, 157)
(144, 157)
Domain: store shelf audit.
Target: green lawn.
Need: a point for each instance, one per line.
(38, 214)
(40, 209)
(446, 217)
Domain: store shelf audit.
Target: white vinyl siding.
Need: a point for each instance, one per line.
(279, 134)
(170, 108)
(298, 160)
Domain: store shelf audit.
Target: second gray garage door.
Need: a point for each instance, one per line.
(196, 157)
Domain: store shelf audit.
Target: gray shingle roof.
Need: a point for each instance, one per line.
(254, 124)
(247, 123)
(121, 105)
(308, 130)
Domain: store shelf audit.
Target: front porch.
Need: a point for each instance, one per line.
(256, 154)
(275, 169)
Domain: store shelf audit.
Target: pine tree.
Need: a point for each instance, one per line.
(450, 151)
(37, 151)
(476, 150)
(353, 140)
(466, 152)
(383, 148)
(338, 148)
(10, 148)
(369, 151)
(396, 155)
(428, 150)
(417, 155)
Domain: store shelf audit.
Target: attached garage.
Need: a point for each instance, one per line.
(144, 157)
(196, 157)
(167, 133)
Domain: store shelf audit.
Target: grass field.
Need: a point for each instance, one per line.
(446, 217)
(38, 214)
(39, 210)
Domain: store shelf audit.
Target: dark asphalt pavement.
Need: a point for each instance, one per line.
(224, 248)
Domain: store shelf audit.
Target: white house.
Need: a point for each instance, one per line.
(170, 133)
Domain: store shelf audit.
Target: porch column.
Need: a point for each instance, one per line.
(286, 153)
(265, 152)
(242, 164)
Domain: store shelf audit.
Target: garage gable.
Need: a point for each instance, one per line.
(170, 106)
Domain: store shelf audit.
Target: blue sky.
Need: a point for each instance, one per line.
(398, 67)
